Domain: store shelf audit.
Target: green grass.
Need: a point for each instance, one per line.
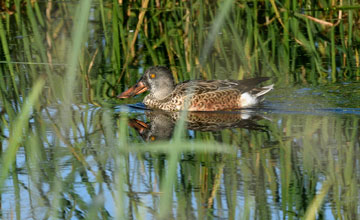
(67, 148)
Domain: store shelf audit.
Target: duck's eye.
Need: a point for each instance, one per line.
(152, 75)
(152, 138)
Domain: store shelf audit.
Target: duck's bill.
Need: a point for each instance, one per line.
(138, 125)
(133, 91)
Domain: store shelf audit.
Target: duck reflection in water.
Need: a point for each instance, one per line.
(161, 124)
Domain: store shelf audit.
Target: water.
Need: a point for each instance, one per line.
(89, 155)
(272, 162)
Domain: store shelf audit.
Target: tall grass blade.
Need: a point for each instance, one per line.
(79, 34)
(215, 28)
(17, 130)
(5, 48)
(317, 201)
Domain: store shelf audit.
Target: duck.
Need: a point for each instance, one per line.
(196, 95)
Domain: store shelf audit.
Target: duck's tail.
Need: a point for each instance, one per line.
(249, 99)
(263, 90)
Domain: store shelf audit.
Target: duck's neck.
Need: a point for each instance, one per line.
(163, 91)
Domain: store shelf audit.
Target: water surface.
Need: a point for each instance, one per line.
(81, 153)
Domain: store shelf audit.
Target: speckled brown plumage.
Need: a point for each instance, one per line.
(197, 95)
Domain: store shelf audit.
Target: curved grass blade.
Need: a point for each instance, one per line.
(16, 132)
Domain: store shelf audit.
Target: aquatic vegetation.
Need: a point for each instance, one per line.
(67, 150)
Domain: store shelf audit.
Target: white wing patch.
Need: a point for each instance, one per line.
(247, 100)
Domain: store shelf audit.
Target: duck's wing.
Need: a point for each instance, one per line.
(247, 85)
(202, 86)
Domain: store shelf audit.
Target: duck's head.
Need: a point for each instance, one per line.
(157, 79)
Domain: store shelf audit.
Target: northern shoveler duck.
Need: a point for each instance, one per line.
(196, 95)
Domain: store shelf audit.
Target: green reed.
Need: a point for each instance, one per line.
(197, 39)
(6, 52)
(17, 130)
